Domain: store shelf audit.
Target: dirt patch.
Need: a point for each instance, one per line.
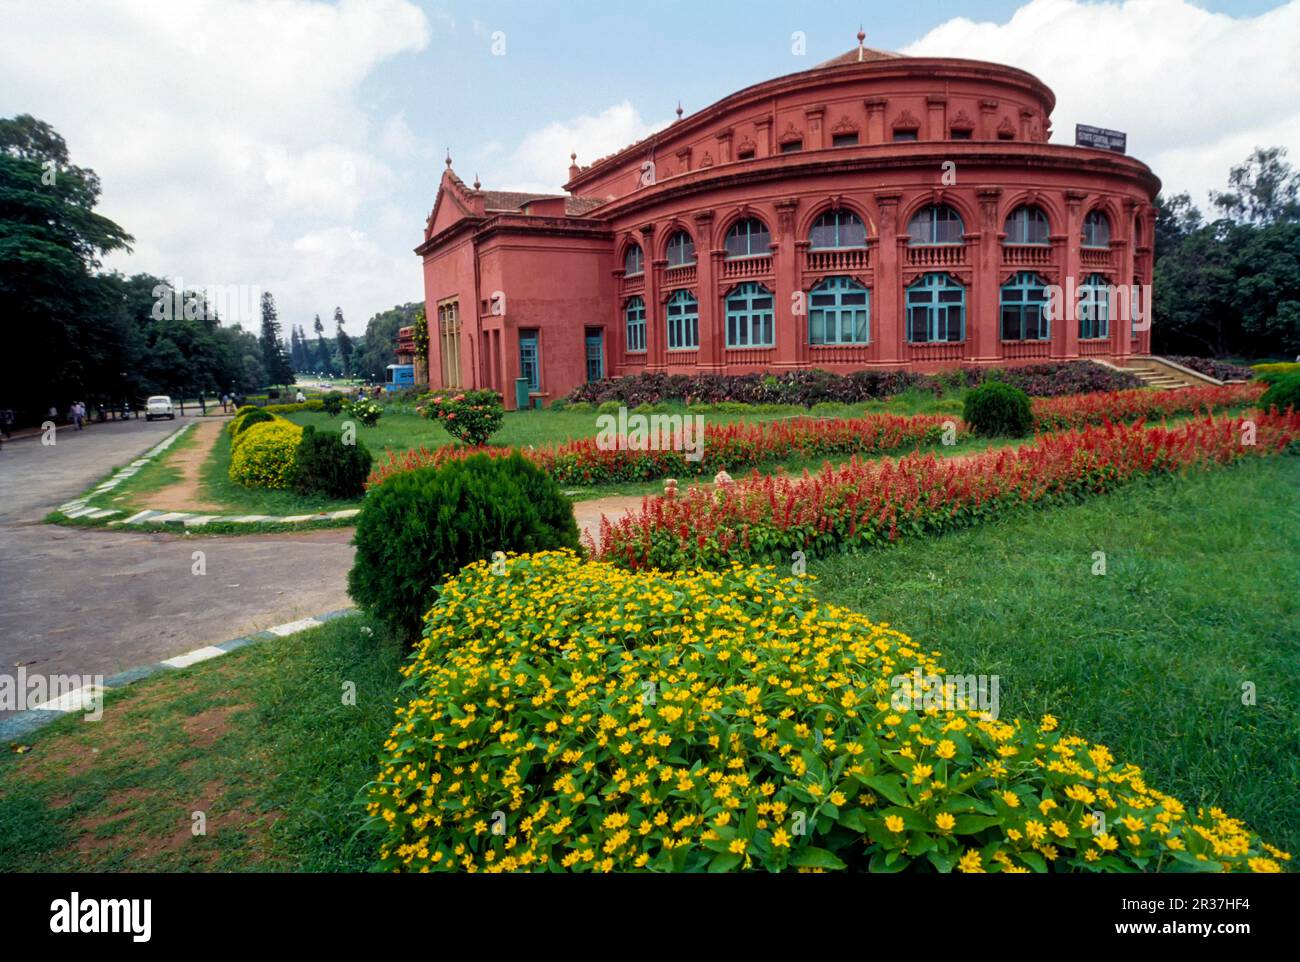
(208, 727)
(185, 494)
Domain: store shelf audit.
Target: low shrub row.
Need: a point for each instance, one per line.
(569, 715)
(1223, 370)
(808, 387)
(311, 404)
(765, 518)
(1275, 369)
(725, 447)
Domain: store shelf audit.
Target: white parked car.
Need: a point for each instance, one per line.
(159, 406)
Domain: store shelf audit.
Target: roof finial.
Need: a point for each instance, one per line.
(574, 156)
(861, 37)
(448, 161)
(477, 185)
(679, 110)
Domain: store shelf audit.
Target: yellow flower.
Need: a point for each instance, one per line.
(780, 839)
(894, 823)
(945, 821)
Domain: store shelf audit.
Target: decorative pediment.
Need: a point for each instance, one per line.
(961, 122)
(746, 146)
(791, 135)
(906, 121)
(1006, 128)
(844, 126)
(707, 161)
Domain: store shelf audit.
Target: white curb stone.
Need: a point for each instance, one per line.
(193, 657)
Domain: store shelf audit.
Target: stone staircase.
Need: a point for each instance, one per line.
(1156, 372)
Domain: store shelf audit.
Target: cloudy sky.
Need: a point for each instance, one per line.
(295, 145)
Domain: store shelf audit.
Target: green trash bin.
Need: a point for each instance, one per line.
(521, 393)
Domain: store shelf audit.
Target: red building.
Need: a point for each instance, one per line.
(876, 211)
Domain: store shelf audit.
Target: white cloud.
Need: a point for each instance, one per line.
(1195, 91)
(223, 129)
(541, 161)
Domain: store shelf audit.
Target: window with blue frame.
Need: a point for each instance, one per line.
(839, 312)
(750, 319)
(683, 312)
(1096, 229)
(633, 261)
(935, 224)
(748, 237)
(1093, 310)
(1023, 317)
(681, 249)
(530, 362)
(634, 316)
(1027, 225)
(936, 310)
(837, 228)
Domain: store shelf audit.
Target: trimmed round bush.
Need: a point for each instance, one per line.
(471, 417)
(252, 416)
(332, 403)
(420, 526)
(325, 465)
(264, 454)
(1283, 393)
(995, 409)
(569, 715)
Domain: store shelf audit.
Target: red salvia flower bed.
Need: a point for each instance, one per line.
(767, 518)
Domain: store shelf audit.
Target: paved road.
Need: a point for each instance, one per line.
(98, 601)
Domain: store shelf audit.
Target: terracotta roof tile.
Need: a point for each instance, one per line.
(867, 55)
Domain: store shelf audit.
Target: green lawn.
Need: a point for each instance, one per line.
(1201, 594)
(258, 740)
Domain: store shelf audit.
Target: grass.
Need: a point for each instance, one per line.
(260, 741)
(1201, 595)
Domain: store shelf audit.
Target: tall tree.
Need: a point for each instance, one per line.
(58, 348)
(1263, 190)
(274, 358)
(323, 356)
(344, 343)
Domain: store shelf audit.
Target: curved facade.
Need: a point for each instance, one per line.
(877, 211)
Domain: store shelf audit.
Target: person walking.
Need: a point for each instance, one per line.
(78, 414)
(225, 402)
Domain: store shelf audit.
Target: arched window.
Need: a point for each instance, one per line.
(1023, 318)
(1096, 229)
(936, 309)
(749, 317)
(633, 261)
(1094, 308)
(681, 249)
(683, 322)
(838, 228)
(1027, 225)
(936, 224)
(748, 237)
(634, 316)
(839, 312)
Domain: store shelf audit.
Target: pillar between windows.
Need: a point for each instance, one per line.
(886, 314)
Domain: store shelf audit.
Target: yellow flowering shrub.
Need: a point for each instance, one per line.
(263, 456)
(574, 715)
